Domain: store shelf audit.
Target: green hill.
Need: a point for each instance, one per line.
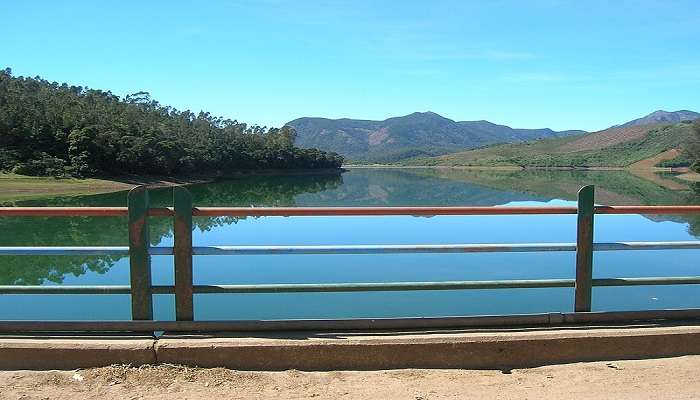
(614, 147)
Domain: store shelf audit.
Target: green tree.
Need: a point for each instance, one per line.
(52, 129)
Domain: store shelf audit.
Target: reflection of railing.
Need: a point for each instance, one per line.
(142, 291)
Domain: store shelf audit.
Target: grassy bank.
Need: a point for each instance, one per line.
(21, 187)
(15, 187)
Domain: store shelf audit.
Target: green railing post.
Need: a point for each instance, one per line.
(139, 259)
(182, 227)
(584, 249)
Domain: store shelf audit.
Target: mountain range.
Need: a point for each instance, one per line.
(413, 135)
(427, 134)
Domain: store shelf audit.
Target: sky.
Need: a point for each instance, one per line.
(528, 64)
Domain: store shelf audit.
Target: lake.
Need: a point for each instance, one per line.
(367, 187)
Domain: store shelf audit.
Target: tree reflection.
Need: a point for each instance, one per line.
(112, 231)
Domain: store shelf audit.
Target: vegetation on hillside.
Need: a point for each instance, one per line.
(55, 129)
(420, 134)
(693, 147)
(682, 161)
(557, 152)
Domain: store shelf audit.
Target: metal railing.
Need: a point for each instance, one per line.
(142, 290)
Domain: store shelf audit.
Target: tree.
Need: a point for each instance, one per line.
(52, 129)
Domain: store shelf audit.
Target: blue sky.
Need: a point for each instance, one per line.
(529, 64)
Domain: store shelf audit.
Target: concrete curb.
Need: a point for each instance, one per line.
(41, 353)
(474, 349)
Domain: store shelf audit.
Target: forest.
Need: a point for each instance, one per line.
(53, 129)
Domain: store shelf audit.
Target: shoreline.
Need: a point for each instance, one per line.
(512, 168)
(15, 187)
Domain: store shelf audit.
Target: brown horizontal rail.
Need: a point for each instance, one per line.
(77, 212)
(336, 211)
(161, 212)
(647, 209)
(373, 211)
(63, 211)
(554, 318)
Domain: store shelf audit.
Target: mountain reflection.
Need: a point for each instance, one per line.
(359, 187)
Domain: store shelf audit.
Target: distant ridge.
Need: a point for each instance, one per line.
(413, 135)
(650, 139)
(661, 116)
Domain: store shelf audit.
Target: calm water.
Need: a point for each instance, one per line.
(365, 187)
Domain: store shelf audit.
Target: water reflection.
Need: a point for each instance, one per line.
(111, 231)
(359, 187)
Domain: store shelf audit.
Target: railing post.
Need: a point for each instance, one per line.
(139, 259)
(182, 227)
(584, 249)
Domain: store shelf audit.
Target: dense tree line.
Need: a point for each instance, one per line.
(48, 128)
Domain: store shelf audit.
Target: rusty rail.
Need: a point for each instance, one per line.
(339, 211)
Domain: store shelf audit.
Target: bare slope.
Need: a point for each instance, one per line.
(606, 138)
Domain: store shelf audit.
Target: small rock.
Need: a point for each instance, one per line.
(78, 377)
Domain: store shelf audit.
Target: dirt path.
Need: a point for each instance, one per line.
(650, 163)
(690, 177)
(669, 378)
(646, 169)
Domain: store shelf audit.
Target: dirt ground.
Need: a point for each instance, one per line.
(669, 378)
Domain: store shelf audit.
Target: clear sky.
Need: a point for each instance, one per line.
(561, 64)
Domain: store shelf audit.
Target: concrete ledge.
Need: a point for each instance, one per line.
(41, 353)
(318, 351)
(471, 350)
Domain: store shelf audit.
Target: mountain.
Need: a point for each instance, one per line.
(418, 134)
(661, 116)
